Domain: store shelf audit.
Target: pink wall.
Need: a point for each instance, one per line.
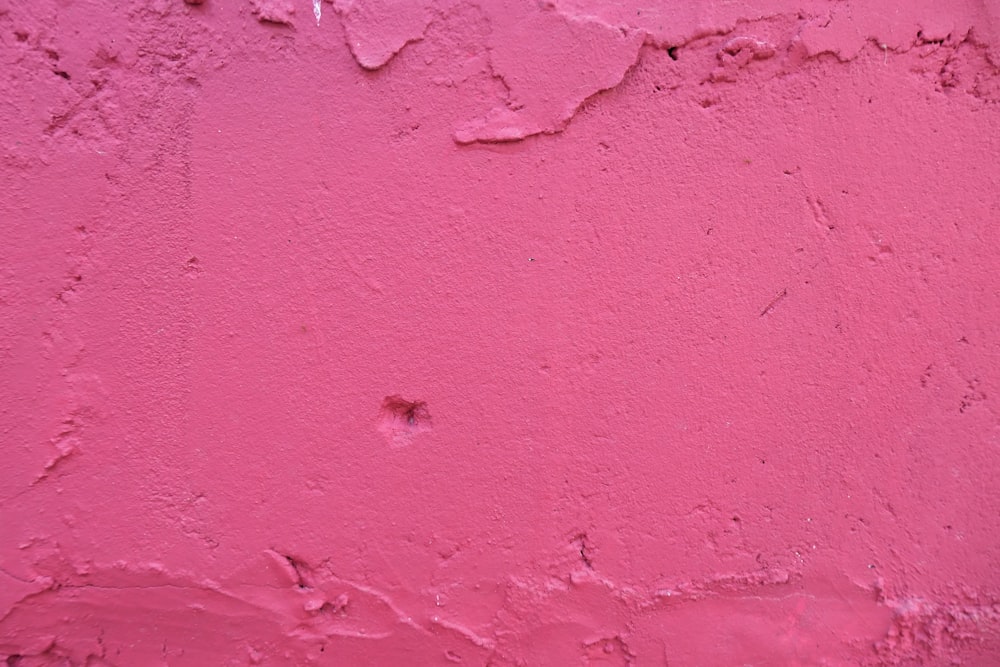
(500, 333)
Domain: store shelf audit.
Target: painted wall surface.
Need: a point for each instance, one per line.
(433, 332)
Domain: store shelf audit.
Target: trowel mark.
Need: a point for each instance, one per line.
(819, 213)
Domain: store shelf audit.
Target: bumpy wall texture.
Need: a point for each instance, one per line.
(433, 332)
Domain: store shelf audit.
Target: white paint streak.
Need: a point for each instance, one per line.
(317, 9)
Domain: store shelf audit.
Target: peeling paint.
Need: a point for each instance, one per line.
(377, 30)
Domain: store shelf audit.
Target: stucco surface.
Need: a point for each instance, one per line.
(499, 333)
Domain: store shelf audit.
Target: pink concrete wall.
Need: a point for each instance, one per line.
(500, 333)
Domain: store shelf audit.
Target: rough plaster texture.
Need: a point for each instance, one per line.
(499, 333)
